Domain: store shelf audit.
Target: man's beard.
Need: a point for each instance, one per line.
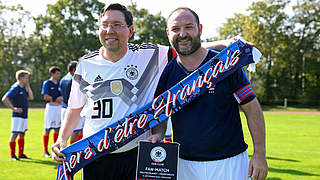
(195, 45)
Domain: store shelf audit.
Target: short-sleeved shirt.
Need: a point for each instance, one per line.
(209, 127)
(18, 97)
(50, 88)
(65, 88)
(110, 91)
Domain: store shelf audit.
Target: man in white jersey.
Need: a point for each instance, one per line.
(109, 84)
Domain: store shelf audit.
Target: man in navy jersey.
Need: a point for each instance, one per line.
(109, 84)
(209, 129)
(17, 100)
(52, 96)
(65, 88)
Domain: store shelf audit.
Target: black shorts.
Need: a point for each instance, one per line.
(118, 166)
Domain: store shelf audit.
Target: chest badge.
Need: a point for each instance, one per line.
(131, 72)
(116, 87)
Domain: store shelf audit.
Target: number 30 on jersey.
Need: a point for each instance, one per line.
(103, 108)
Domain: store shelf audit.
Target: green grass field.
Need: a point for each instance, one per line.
(293, 148)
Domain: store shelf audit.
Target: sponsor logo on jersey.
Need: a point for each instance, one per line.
(158, 154)
(131, 72)
(98, 78)
(116, 87)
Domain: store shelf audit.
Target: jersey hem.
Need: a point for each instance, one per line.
(213, 159)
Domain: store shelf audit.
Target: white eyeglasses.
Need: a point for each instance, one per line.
(115, 26)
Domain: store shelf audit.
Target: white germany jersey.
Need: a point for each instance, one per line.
(109, 91)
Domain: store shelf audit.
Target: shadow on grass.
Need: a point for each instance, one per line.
(40, 161)
(292, 171)
(273, 178)
(279, 159)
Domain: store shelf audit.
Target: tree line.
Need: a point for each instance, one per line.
(69, 29)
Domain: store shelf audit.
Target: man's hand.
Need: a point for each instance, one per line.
(17, 110)
(221, 44)
(234, 39)
(59, 99)
(27, 84)
(56, 151)
(154, 138)
(258, 168)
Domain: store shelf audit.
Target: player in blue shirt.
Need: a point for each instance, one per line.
(209, 129)
(65, 88)
(17, 100)
(52, 96)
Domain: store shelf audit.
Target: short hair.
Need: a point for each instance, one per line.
(21, 73)
(53, 69)
(116, 6)
(186, 9)
(72, 66)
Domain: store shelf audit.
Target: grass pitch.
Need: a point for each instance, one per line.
(36, 168)
(292, 144)
(293, 147)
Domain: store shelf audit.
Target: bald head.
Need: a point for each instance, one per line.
(177, 11)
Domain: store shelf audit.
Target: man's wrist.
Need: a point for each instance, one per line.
(260, 150)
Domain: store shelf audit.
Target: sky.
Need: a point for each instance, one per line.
(212, 13)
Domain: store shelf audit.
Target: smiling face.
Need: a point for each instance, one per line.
(115, 34)
(183, 32)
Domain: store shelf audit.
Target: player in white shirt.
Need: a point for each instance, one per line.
(109, 84)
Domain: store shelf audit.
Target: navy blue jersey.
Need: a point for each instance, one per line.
(51, 89)
(65, 88)
(19, 98)
(209, 128)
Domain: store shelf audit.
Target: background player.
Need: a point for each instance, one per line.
(17, 100)
(52, 117)
(64, 88)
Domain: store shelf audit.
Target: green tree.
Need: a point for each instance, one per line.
(288, 44)
(148, 28)
(66, 32)
(13, 21)
(307, 37)
(265, 27)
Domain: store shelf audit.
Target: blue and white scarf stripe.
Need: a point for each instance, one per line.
(128, 128)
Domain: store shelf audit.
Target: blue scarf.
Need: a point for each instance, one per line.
(128, 128)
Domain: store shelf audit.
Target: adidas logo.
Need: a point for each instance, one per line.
(98, 78)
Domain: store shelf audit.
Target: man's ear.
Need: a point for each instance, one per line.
(131, 30)
(200, 29)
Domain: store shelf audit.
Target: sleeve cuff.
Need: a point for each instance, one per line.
(244, 95)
